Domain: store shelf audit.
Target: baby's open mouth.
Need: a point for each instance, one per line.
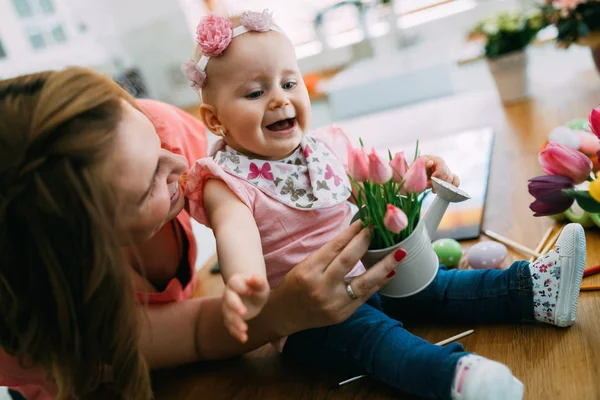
(282, 125)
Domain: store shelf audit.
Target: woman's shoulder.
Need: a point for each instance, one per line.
(179, 132)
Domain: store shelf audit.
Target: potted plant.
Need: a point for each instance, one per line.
(506, 37)
(577, 21)
(569, 178)
(390, 194)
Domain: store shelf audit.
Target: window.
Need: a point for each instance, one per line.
(23, 8)
(296, 17)
(47, 6)
(58, 34)
(2, 52)
(36, 38)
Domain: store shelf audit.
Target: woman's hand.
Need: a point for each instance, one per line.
(437, 167)
(314, 292)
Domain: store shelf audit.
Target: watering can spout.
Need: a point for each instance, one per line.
(446, 193)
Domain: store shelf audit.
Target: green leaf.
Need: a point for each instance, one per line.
(584, 199)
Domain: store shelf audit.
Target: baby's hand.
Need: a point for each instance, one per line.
(436, 166)
(245, 295)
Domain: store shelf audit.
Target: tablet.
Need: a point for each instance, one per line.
(468, 154)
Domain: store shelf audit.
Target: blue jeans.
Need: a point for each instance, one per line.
(373, 342)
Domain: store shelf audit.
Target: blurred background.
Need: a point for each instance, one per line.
(142, 43)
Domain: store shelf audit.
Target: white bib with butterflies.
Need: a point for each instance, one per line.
(311, 178)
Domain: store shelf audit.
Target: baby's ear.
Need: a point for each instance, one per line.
(210, 119)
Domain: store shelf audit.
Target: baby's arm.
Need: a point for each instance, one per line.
(240, 257)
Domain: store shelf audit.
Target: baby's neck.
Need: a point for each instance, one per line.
(250, 154)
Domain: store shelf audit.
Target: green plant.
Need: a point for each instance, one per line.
(508, 32)
(573, 19)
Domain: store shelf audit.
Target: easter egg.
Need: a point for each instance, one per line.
(449, 251)
(487, 255)
(565, 136)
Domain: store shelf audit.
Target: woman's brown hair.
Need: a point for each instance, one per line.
(66, 300)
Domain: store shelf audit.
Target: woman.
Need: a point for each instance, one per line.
(90, 210)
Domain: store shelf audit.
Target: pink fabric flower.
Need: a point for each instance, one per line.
(358, 167)
(399, 167)
(395, 219)
(595, 121)
(214, 33)
(193, 74)
(257, 21)
(415, 179)
(379, 170)
(557, 159)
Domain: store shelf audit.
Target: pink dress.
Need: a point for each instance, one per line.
(294, 213)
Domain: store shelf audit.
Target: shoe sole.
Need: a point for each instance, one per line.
(571, 243)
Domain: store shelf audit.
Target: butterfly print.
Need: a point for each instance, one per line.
(224, 156)
(289, 188)
(307, 151)
(284, 168)
(264, 172)
(322, 185)
(311, 197)
(277, 181)
(330, 174)
(237, 170)
(315, 159)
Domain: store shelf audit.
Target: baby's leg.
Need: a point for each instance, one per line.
(372, 343)
(470, 296)
(546, 290)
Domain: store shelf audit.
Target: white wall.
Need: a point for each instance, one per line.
(153, 35)
(22, 58)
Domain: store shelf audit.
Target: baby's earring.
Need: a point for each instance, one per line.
(221, 132)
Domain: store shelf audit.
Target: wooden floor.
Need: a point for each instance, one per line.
(553, 363)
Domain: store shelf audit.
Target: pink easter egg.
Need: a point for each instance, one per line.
(487, 255)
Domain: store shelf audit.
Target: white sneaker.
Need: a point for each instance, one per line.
(477, 378)
(557, 277)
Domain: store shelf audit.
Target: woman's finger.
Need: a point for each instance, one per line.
(323, 258)
(365, 285)
(349, 256)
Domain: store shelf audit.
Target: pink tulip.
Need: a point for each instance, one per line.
(399, 167)
(358, 167)
(595, 121)
(557, 159)
(415, 179)
(379, 170)
(394, 220)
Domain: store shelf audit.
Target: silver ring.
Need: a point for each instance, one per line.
(350, 292)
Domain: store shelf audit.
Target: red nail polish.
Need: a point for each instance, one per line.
(399, 255)
(392, 273)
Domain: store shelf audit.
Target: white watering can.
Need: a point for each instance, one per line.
(418, 269)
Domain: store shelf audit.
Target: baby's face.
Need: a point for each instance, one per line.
(259, 95)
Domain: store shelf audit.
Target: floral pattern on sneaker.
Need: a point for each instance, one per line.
(545, 274)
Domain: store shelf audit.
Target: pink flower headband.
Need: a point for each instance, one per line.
(215, 33)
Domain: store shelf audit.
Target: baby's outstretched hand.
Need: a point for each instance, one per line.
(245, 295)
(437, 167)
